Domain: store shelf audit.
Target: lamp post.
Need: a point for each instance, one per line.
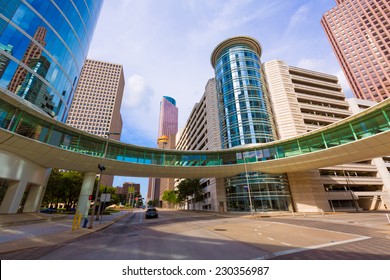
(101, 168)
(249, 188)
(162, 140)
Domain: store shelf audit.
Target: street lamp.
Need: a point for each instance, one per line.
(249, 188)
(101, 168)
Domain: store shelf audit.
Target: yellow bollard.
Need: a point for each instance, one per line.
(79, 220)
(76, 221)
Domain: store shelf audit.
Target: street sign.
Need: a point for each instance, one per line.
(105, 197)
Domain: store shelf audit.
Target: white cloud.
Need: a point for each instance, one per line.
(137, 92)
(299, 16)
(315, 64)
(231, 18)
(139, 112)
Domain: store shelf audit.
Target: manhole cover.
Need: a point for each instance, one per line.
(220, 229)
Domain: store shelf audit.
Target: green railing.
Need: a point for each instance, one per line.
(21, 118)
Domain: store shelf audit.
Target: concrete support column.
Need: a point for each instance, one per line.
(86, 190)
(33, 199)
(385, 176)
(13, 197)
(308, 192)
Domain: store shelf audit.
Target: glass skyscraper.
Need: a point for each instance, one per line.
(43, 45)
(245, 119)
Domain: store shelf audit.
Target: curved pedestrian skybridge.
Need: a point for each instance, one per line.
(33, 135)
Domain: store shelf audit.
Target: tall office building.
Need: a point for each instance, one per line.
(98, 98)
(43, 45)
(168, 117)
(245, 118)
(303, 101)
(359, 32)
(128, 191)
(167, 129)
(202, 132)
(97, 101)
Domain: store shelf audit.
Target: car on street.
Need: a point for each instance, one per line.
(48, 210)
(151, 213)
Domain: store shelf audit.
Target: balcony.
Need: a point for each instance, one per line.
(352, 180)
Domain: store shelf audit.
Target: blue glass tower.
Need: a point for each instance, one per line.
(246, 118)
(46, 45)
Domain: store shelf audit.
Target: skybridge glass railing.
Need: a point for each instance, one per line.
(26, 122)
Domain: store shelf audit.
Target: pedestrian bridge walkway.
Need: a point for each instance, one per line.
(31, 134)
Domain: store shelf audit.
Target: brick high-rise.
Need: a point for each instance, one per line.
(358, 31)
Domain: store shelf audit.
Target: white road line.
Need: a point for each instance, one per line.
(284, 243)
(297, 250)
(270, 238)
(259, 233)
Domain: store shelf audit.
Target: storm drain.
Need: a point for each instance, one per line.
(220, 229)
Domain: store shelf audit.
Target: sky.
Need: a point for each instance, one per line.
(165, 47)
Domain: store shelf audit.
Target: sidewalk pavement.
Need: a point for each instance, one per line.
(30, 230)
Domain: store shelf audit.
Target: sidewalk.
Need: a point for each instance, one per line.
(29, 230)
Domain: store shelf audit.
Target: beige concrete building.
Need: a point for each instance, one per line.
(202, 132)
(302, 101)
(97, 101)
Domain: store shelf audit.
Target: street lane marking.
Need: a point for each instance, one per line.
(297, 250)
(270, 238)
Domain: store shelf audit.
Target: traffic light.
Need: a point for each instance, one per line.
(90, 197)
(101, 167)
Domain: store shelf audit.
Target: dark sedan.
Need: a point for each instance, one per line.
(151, 213)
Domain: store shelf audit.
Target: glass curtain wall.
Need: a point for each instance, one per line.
(43, 45)
(245, 118)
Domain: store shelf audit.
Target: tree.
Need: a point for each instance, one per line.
(52, 188)
(170, 197)
(190, 188)
(71, 182)
(63, 187)
(153, 202)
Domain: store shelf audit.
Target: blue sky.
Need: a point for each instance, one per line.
(165, 47)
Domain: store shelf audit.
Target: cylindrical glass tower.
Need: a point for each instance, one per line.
(246, 118)
(43, 45)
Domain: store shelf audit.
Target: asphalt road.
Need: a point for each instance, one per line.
(174, 235)
(182, 235)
